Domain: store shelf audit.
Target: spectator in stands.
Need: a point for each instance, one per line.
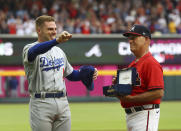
(172, 26)
(179, 29)
(91, 16)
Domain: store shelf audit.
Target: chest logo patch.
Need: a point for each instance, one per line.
(138, 80)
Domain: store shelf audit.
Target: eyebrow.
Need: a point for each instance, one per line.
(51, 28)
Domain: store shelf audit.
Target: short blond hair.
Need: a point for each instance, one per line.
(41, 19)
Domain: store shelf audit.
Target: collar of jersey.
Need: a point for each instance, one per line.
(142, 58)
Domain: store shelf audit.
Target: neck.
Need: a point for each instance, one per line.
(40, 40)
(141, 55)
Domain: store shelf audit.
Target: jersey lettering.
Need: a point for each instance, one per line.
(54, 63)
(54, 67)
(63, 75)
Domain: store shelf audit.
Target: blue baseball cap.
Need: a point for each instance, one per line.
(139, 30)
(86, 76)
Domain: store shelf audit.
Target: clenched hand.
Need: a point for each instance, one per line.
(63, 37)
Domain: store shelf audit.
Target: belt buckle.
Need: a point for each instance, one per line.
(148, 107)
(43, 94)
(132, 109)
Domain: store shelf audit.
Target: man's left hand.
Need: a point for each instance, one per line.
(95, 74)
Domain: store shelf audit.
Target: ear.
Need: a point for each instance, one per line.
(38, 30)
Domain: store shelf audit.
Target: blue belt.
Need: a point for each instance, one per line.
(49, 95)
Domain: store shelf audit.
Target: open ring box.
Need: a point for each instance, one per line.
(126, 78)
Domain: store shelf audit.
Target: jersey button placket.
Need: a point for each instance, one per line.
(54, 70)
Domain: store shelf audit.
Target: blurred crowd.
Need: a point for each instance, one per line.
(91, 16)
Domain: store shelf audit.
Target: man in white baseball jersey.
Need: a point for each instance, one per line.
(46, 66)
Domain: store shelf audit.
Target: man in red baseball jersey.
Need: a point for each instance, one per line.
(142, 106)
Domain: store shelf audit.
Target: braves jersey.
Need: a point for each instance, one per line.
(46, 73)
(149, 77)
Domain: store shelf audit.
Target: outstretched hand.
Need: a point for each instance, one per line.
(63, 37)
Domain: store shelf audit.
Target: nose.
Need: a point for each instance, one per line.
(55, 30)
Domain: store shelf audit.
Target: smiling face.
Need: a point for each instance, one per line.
(45, 28)
(139, 45)
(47, 31)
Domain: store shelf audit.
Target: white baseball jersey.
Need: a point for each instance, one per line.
(46, 73)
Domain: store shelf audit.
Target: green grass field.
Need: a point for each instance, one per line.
(90, 117)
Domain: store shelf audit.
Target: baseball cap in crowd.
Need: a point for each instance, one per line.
(138, 30)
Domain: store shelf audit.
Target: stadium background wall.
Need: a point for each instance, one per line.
(106, 52)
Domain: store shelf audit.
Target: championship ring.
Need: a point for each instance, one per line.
(126, 78)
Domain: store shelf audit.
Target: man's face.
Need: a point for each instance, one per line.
(137, 43)
(47, 31)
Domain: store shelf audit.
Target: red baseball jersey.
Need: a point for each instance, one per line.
(149, 76)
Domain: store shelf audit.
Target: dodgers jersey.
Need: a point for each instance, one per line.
(46, 73)
(149, 77)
